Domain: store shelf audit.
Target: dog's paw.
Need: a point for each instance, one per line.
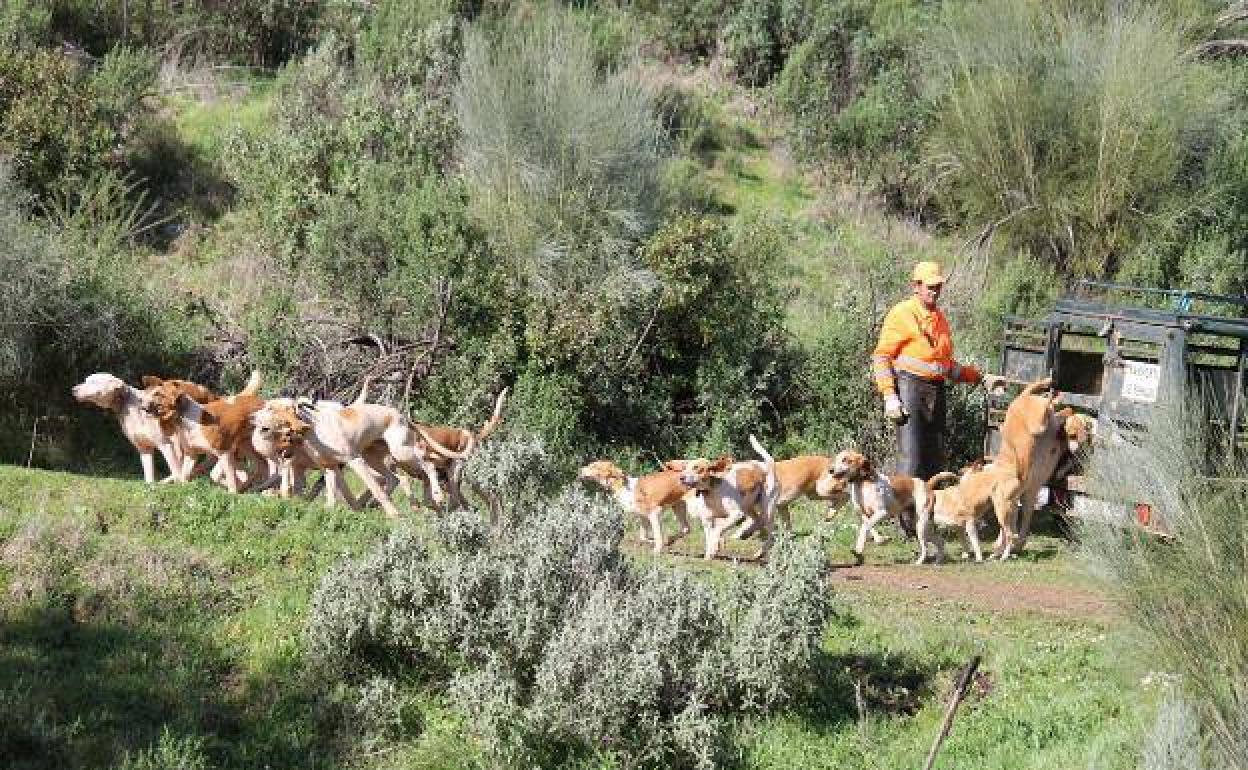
(858, 558)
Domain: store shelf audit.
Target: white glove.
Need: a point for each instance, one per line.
(894, 411)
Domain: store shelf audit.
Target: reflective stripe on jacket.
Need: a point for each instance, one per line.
(917, 341)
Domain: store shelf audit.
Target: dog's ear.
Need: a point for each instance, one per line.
(674, 465)
(721, 464)
(150, 380)
(868, 468)
(1066, 413)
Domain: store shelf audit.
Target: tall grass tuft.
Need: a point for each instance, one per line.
(1079, 135)
(563, 159)
(1188, 595)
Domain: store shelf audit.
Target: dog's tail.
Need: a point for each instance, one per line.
(446, 451)
(1034, 388)
(252, 387)
(940, 478)
(491, 425)
(363, 394)
(771, 487)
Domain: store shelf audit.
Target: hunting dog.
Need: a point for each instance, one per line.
(646, 496)
(140, 428)
(810, 477)
(293, 448)
(1034, 439)
(451, 449)
(219, 428)
(346, 436)
(804, 476)
(728, 493)
(979, 489)
(875, 495)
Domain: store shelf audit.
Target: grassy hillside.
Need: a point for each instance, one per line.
(148, 626)
(658, 260)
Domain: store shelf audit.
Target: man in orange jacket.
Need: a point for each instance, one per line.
(911, 365)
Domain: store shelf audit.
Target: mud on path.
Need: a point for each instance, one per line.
(984, 588)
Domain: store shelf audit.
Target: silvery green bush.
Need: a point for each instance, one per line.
(555, 645)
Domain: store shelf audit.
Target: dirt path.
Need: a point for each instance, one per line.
(977, 591)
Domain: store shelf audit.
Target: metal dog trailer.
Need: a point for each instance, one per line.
(1119, 361)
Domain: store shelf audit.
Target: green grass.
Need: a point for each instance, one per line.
(845, 244)
(169, 618)
(748, 175)
(204, 123)
(181, 608)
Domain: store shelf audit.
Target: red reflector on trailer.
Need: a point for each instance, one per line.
(1143, 513)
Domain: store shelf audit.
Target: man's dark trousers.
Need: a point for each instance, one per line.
(921, 440)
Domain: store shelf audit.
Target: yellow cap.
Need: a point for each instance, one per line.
(928, 273)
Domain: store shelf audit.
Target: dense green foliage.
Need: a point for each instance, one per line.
(455, 196)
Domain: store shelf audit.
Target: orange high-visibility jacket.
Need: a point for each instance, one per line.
(917, 341)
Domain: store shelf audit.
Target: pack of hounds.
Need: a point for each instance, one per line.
(248, 443)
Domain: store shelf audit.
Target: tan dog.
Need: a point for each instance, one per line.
(979, 490)
(810, 477)
(347, 435)
(1034, 439)
(875, 495)
(271, 429)
(646, 496)
(805, 476)
(220, 428)
(195, 391)
(140, 428)
(280, 434)
(729, 493)
(451, 447)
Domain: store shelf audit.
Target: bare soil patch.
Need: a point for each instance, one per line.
(979, 591)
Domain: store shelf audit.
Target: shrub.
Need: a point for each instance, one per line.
(1078, 136)
(1020, 285)
(263, 33)
(71, 307)
(689, 27)
(170, 752)
(24, 24)
(562, 161)
(760, 34)
(1184, 594)
(349, 188)
(851, 89)
(124, 77)
(717, 336)
(52, 128)
(558, 647)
